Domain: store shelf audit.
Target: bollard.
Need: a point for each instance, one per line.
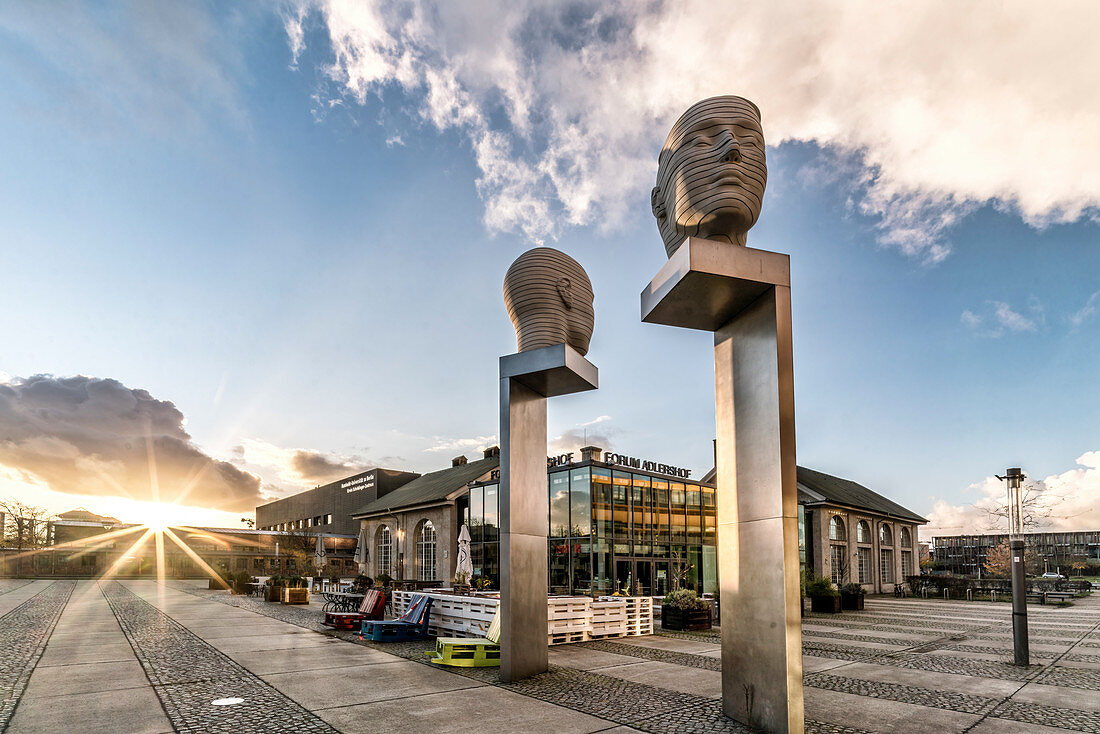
(946, 593)
(970, 595)
(924, 592)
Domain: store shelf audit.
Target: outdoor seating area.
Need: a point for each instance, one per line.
(569, 618)
(411, 625)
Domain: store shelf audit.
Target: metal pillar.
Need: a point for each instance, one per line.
(1019, 604)
(1014, 477)
(743, 296)
(526, 380)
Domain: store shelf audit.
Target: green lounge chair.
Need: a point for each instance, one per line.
(470, 652)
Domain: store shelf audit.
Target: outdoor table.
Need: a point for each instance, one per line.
(341, 601)
(255, 588)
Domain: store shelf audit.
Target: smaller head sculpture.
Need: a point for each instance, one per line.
(549, 299)
(711, 173)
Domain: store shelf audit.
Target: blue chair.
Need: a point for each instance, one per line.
(412, 625)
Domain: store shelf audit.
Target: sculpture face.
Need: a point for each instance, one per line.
(549, 299)
(711, 173)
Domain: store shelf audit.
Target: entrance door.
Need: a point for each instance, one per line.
(660, 578)
(644, 569)
(624, 579)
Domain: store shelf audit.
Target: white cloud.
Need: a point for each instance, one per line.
(1071, 499)
(1086, 311)
(998, 318)
(303, 468)
(473, 443)
(942, 106)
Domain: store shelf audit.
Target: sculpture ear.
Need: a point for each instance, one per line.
(565, 291)
(657, 202)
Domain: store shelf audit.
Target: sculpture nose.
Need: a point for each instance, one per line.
(732, 152)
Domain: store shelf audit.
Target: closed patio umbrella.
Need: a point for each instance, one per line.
(361, 550)
(319, 555)
(465, 563)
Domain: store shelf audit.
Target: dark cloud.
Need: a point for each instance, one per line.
(321, 468)
(92, 436)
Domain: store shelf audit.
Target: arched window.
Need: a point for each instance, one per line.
(863, 532)
(384, 553)
(906, 538)
(885, 537)
(836, 528)
(425, 552)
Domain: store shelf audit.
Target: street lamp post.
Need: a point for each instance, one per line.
(1015, 480)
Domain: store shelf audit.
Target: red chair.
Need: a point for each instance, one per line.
(372, 607)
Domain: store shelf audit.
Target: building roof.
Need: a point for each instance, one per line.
(82, 515)
(846, 492)
(434, 487)
(816, 487)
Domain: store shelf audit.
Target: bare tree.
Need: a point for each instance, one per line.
(1038, 508)
(25, 527)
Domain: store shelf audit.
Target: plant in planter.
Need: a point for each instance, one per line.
(361, 583)
(384, 580)
(851, 596)
(238, 582)
(274, 589)
(824, 598)
(295, 591)
(483, 583)
(683, 610)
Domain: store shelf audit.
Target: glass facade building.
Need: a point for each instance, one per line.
(610, 529)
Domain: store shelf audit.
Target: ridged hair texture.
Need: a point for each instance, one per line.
(711, 173)
(549, 299)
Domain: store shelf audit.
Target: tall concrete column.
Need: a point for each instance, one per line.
(527, 379)
(743, 296)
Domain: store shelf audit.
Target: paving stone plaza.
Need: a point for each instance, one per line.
(135, 656)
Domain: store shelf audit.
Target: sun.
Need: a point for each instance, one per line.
(158, 516)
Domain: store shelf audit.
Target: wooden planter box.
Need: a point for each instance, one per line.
(273, 593)
(825, 604)
(678, 619)
(295, 596)
(851, 601)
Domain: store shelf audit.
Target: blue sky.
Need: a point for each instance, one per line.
(301, 247)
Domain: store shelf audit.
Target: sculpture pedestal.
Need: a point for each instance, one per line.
(743, 296)
(526, 380)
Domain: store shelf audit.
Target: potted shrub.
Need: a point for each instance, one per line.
(384, 580)
(683, 610)
(824, 598)
(851, 596)
(295, 591)
(274, 589)
(361, 583)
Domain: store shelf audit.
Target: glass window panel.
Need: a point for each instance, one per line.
(710, 517)
(477, 514)
(661, 519)
(580, 503)
(678, 500)
(601, 502)
(559, 566)
(886, 566)
(694, 524)
(642, 515)
(581, 554)
(559, 504)
(492, 564)
(491, 514)
(602, 568)
(621, 512)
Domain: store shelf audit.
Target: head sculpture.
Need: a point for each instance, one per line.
(711, 173)
(549, 299)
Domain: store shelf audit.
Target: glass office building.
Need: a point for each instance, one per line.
(610, 529)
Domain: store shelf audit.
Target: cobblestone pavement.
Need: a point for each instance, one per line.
(23, 635)
(188, 674)
(955, 638)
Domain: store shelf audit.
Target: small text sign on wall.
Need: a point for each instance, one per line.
(366, 481)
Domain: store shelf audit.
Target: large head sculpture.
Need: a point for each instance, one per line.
(711, 173)
(549, 299)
